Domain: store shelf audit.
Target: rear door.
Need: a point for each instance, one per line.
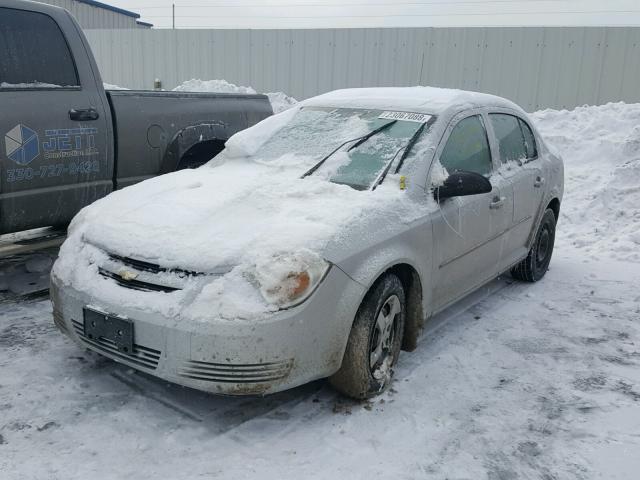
(521, 170)
(55, 155)
(467, 231)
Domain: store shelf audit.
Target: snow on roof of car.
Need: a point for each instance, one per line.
(431, 100)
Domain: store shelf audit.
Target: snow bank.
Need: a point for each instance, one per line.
(600, 146)
(279, 101)
(111, 86)
(29, 85)
(217, 86)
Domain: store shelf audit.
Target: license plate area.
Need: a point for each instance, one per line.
(100, 325)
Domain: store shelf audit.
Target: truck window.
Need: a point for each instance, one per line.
(33, 52)
(467, 148)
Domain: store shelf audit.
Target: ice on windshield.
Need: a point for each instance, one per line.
(366, 162)
(315, 132)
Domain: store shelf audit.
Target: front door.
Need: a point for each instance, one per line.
(467, 231)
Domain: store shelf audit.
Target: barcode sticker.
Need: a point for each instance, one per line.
(406, 116)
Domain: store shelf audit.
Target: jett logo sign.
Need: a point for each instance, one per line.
(21, 144)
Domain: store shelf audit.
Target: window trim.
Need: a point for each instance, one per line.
(521, 121)
(77, 87)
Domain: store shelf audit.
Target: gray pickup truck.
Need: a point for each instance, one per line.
(67, 142)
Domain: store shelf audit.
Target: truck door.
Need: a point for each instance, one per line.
(54, 152)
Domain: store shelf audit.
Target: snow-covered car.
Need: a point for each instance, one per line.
(315, 245)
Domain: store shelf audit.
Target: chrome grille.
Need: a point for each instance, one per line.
(235, 373)
(141, 356)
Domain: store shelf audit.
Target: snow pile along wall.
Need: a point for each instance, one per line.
(279, 101)
(600, 145)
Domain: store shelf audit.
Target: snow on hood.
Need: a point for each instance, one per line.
(232, 215)
(227, 214)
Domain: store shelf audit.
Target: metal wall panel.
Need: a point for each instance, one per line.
(538, 67)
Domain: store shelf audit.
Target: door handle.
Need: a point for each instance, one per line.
(83, 115)
(539, 182)
(497, 202)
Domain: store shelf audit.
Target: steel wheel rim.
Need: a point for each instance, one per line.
(542, 249)
(384, 332)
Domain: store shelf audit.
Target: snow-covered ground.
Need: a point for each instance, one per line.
(519, 381)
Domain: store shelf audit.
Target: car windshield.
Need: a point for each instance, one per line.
(316, 132)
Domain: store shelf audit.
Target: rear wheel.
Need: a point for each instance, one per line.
(374, 342)
(533, 268)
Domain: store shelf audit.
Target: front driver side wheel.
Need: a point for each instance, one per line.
(374, 342)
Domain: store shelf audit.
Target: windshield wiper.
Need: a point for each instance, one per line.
(359, 141)
(405, 154)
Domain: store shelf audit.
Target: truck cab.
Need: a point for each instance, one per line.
(67, 142)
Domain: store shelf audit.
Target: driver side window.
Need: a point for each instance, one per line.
(467, 148)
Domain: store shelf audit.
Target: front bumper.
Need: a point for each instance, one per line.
(280, 351)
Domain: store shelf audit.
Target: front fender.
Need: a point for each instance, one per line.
(409, 255)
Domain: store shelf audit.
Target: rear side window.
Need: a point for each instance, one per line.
(467, 148)
(509, 136)
(529, 140)
(33, 52)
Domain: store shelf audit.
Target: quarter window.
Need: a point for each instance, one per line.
(510, 138)
(33, 52)
(529, 140)
(467, 148)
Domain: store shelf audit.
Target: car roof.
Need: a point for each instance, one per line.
(428, 100)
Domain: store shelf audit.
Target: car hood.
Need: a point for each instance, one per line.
(236, 212)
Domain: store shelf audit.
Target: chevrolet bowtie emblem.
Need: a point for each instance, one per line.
(127, 275)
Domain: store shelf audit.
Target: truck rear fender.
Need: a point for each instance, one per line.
(194, 146)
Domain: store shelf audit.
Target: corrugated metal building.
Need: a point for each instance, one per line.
(91, 14)
(537, 67)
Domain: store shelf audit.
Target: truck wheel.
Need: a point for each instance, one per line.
(533, 268)
(374, 342)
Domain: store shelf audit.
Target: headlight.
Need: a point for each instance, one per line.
(286, 280)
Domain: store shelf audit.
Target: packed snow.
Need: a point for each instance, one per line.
(428, 100)
(111, 86)
(518, 381)
(601, 146)
(29, 85)
(279, 101)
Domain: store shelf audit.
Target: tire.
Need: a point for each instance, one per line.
(371, 354)
(533, 268)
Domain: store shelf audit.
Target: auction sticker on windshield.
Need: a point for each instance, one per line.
(406, 116)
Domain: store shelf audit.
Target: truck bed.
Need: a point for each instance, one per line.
(149, 138)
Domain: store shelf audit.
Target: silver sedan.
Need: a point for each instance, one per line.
(317, 244)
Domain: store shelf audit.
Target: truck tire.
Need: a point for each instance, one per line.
(533, 268)
(374, 342)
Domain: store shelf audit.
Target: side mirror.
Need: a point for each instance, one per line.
(461, 183)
